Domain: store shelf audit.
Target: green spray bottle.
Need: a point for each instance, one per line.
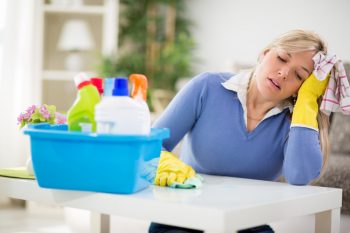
(80, 116)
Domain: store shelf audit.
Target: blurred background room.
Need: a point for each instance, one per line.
(44, 43)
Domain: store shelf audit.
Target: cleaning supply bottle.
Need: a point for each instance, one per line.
(139, 94)
(109, 85)
(80, 116)
(120, 114)
(98, 83)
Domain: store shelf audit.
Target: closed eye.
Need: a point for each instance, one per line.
(281, 59)
(299, 77)
(304, 75)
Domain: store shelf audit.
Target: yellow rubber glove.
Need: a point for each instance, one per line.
(171, 169)
(306, 107)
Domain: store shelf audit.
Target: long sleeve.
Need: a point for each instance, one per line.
(183, 111)
(302, 156)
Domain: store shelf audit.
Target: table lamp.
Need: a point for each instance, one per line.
(75, 37)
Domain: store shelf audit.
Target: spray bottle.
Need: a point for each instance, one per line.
(108, 86)
(98, 83)
(139, 94)
(80, 116)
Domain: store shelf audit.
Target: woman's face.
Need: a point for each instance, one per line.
(280, 74)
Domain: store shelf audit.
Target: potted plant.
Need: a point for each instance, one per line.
(154, 40)
(38, 114)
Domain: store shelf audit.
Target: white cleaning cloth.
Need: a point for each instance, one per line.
(337, 95)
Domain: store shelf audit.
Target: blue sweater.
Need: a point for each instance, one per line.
(218, 143)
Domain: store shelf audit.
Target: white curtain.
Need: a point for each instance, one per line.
(19, 83)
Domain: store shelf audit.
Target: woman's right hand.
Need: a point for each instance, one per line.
(171, 169)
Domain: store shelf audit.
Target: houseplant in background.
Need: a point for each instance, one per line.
(154, 40)
(36, 114)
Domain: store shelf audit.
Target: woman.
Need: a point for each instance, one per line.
(261, 124)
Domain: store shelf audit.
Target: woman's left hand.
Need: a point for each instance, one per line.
(306, 107)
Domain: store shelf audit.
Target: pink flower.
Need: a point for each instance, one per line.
(45, 112)
(31, 109)
(60, 118)
(27, 115)
(20, 118)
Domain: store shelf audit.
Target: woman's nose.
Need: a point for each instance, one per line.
(283, 72)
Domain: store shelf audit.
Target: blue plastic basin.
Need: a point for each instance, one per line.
(93, 162)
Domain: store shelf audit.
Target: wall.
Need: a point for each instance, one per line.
(231, 31)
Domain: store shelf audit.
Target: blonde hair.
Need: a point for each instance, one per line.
(300, 41)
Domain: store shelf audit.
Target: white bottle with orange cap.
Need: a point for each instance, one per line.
(139, 94)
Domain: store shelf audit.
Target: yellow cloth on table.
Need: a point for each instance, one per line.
(16, 172)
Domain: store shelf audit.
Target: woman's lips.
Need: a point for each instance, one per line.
(274, 84)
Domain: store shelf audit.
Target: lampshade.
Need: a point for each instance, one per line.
(75, 36)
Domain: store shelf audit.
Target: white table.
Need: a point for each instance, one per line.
(223, 205)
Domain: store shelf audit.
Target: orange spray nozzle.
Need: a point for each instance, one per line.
(139, 86)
